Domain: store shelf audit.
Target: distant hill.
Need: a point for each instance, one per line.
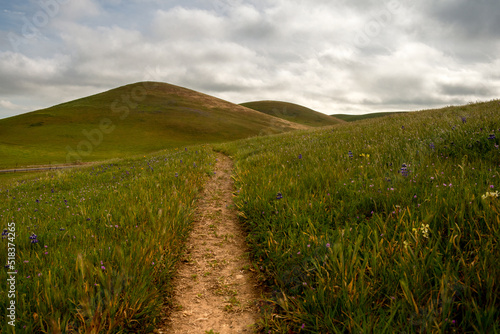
(293, 113)
(132, 119)
(353, 118)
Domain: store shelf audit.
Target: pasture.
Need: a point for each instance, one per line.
(94, 249)
(379, 226)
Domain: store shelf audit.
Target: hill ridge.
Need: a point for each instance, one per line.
(135, 118)
(293, 112)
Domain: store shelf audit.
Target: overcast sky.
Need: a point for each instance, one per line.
(334, 56)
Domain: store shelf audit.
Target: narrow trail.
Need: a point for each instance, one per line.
(214, 289)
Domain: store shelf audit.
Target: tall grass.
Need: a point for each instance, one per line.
(107, 240)
(379, 226)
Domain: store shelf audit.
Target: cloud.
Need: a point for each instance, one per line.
(70, 10)
(333, 56)
(10, 106)
(470, 19)
(18, 72)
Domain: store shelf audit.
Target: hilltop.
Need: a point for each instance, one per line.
(133, 119)
(353, 118)
(293, 113)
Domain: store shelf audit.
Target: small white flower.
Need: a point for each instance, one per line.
(490, 194)
(425, 230)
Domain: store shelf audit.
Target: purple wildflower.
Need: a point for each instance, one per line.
(404, 170)
(33, 238)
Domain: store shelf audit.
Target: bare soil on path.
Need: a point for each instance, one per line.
(215, 290)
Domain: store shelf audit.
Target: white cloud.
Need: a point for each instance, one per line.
(18, 70)
(334, 56)
(10, 106)
(71, 10)
(180, 24)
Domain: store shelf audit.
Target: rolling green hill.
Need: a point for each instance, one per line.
(353, 118)
(382, 226)
(132, 119)
(364, 226)
(293, 113)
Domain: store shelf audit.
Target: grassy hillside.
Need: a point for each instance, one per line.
(94, 249)
(293, 113)
(385, 226)
(353, 118)
(133, 119)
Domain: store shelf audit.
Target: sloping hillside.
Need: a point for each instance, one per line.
(293, 113)
(353, 118)
(132, 119)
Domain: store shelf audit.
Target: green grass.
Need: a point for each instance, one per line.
(354, 118)
(350, 240)
(293, 113)
(133, 119)
(11, 178)
(8, 178)
(346, 237)
(108, 240)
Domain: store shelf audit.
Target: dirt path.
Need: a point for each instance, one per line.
(214, 289)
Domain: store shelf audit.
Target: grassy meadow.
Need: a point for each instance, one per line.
(382, 226)
(95, 248)
(388, 225)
